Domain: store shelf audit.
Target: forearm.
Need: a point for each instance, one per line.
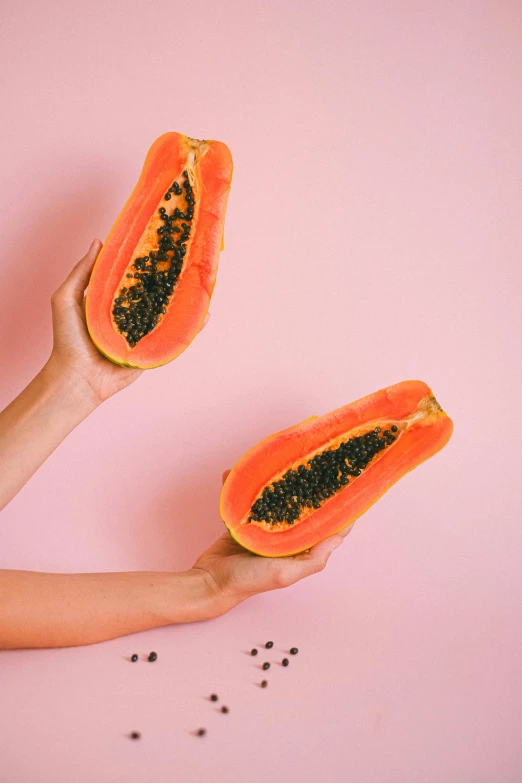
(34, 424)
(62, 610)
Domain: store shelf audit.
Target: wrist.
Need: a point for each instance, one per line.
(70, 389)
(213, 601)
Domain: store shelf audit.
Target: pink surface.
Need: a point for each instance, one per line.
(373, 234)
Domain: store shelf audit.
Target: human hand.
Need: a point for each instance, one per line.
(74, 355)
(233, 574)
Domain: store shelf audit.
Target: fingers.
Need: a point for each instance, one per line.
(318, 555)
(307, 563)
(342, 534)
(225, 476)
(72, 289)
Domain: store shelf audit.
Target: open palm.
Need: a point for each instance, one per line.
(233, 573)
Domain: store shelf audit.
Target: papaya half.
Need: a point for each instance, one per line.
(151, 284)
(305, 483)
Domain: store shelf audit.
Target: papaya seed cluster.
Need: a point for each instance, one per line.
(139, 306)
(313, 482)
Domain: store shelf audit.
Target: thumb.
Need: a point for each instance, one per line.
(73, 287)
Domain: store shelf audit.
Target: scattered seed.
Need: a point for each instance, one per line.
(285, 661)
(269, 645)
(224, 709)
(135, 735)
(134, 657)
(201, 732)
(264, 683)
(152, 656)
(253, 651)
(266, 665)
(214, 697)
(294, 651)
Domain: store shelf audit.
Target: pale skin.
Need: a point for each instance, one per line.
(61, 610)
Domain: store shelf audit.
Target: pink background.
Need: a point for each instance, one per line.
(373, 234)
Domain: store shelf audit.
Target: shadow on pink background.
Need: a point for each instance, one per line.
(373, 234)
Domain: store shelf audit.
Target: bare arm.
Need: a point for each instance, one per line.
(33, 425)
(62, 610)
(73, 382)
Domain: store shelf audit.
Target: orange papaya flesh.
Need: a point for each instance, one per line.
(152, 282)
(303, 484)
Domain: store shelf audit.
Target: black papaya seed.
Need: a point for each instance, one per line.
(318, 479)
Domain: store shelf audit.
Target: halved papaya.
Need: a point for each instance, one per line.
(303, 484)
(151, 285)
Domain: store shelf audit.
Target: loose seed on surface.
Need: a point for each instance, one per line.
(269, 645)
(264, 683)
(152, 656)
(253, 651)
(294, 651)
(266, 665)
(135, 735)
(285, 661)
(134, 657)
(214, 697)
(201, 732)
(224, 709)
